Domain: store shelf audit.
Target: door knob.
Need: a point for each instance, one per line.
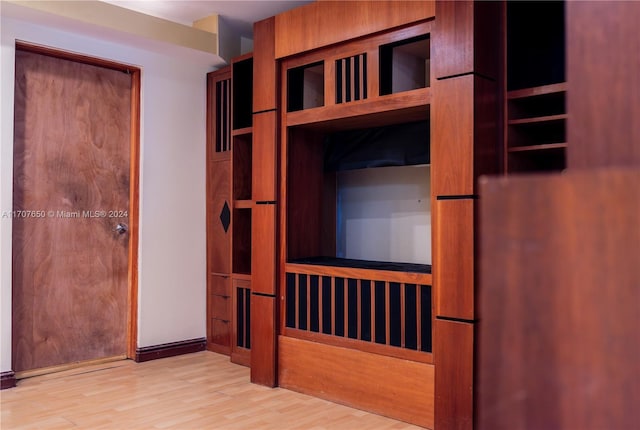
(121, 228)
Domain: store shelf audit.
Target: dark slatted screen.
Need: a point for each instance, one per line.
(223, 119)
(351, 78)
(243, 317)
(386, 313)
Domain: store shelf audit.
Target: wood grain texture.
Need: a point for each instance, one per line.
(558, 301)
(263, 249)
(192, 391)
(453, 352)
(454, 262)
(393, 387)
(464, 133)
(452, 127)
(327, 22)
(265, 82)
(466, 38)
(263, 340)
(265, 156)
(603, 95)
(219, 240)
(305, 183)
(71, 155)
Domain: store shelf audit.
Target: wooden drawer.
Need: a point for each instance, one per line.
(220, 332)
(219, 285)
(220, 307)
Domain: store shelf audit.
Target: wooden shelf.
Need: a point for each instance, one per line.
(393, 108)
(537, 91)
(242, 276)
(537, 120)
(542, 147)
(242, 131)
(243, 204)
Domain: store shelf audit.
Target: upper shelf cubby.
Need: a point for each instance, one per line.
(305, 87)
(384, 72)
(242, 72)
(404, 65)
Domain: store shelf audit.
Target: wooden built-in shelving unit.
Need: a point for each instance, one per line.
(229, 209)
(535, 95)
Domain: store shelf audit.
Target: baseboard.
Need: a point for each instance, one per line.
(170, 349)
(7, 380)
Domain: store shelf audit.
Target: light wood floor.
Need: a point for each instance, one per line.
(194, 391)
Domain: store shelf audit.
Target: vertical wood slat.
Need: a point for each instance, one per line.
(309, 302)
(320, 303)
(387, 307)
(372, 305)
(296, 289)
(223, 119)
(333, 305)
(402, 315)
(419, 316)
(346, 307)
(359, 308)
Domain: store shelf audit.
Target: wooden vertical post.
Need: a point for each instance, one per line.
(464, 146)
(264, 220)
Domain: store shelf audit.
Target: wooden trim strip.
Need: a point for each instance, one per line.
(360, 345)
(134, 216)
(7, 380)
(68, 366)
(73, 56)
(170, 349)
(355, 273)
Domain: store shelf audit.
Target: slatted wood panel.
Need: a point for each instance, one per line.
(359, 308)
(71, 162)
(192, 391)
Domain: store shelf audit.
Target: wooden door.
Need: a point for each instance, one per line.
(71, 190)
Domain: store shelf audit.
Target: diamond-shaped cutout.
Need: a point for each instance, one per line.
(225, 217)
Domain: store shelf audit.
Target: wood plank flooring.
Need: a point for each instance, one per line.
(193, 391)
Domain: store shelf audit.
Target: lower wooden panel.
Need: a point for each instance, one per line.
(453, 268)
(388, 386)
(263, 250)
(263, 340)
(453, 351)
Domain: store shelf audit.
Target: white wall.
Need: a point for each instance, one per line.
(172, 284)
(384, 214)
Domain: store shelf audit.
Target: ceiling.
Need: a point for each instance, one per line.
(240, 14)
